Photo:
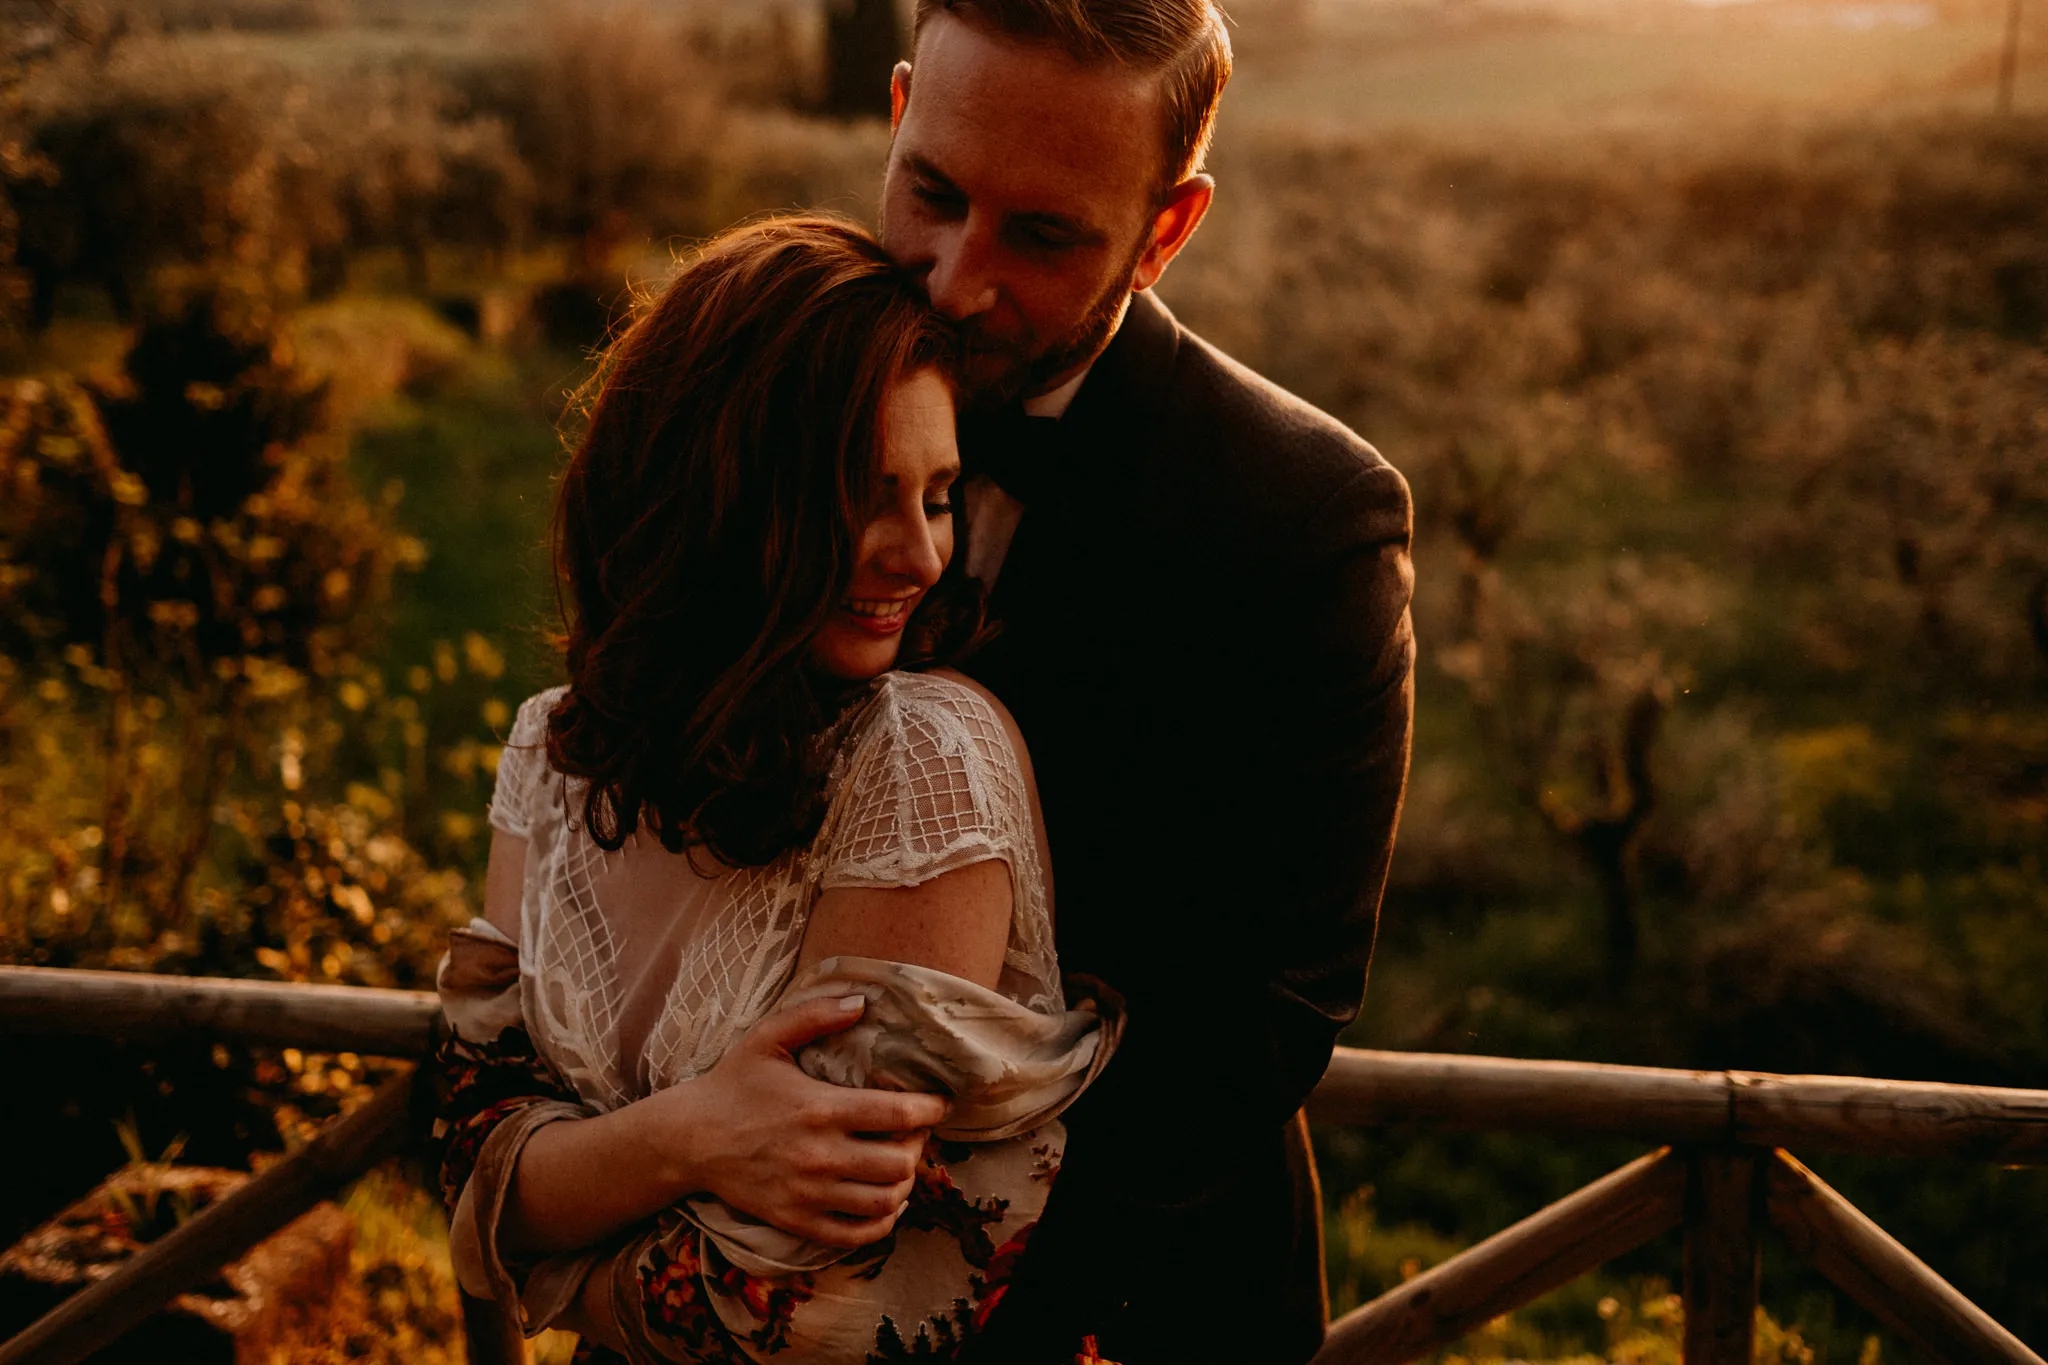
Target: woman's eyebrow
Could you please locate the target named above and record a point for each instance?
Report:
(949, 470)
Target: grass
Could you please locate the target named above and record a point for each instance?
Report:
(477, 469)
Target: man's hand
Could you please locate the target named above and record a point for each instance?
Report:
(821, 1161)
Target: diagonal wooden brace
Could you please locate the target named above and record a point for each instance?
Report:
(1614, 1214)
(192, 1253)
(1868, 1265)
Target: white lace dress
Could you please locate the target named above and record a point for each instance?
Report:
(637, 970)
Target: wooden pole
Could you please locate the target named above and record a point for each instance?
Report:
(1369, 1089)
(1690, 1108)
(131, 1005)
(1722, 1262)
(1870, 1267)
(192, 1253)
(1616, 1213)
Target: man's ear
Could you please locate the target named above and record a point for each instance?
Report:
(899, 93)
(1175, 222)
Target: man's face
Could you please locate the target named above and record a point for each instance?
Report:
(1021, 187)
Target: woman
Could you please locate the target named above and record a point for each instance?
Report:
(735, 827)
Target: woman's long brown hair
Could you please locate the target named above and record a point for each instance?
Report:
(707, 525)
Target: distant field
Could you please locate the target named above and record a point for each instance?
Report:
(1340, 65)
(1378, 67)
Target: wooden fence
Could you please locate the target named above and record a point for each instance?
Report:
(1719, 1173)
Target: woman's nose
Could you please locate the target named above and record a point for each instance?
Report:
(960, 283)
(913, 552)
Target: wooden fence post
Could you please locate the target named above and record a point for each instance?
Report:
(1723, 1198)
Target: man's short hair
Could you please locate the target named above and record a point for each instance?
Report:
(1182, 41)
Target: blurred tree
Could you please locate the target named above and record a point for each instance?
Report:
(1570, 689)
(1917, 474)
(863, 42)
(237, 168)
(615, 114)
(187, 546)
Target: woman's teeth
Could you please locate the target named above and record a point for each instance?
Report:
(878, 607)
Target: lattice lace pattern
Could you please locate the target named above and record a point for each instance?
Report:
(925, 780)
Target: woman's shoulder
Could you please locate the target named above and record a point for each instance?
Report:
(523, 765)
(942, 709)
(924, 736)
(943, 689)
(530, 724)
(930, 778)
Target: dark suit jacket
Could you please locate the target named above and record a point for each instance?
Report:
(1206, 642)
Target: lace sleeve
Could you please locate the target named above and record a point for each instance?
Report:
(523, 766)
(930, 783)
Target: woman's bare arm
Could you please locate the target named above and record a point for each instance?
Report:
(958, 922)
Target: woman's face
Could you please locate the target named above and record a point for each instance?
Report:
(909, 534)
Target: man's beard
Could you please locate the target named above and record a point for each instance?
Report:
(995, 375)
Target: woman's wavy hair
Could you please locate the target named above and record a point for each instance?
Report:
(708, 523)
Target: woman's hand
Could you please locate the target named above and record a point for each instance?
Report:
(821, 1161)
(817, 1160)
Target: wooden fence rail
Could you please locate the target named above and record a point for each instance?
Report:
(1718, 1175)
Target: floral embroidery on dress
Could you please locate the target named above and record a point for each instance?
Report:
(936, 1338)
(477, 1086)
(942, 1336)
(676, 1280)
(1001, 1268)
(938, 1205)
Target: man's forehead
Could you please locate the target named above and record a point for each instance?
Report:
(1025, 122)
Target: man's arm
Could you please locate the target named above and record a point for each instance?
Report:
(1342, 749)
(1252, 997)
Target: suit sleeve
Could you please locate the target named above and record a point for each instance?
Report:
(1339, 769)
(1293, 855)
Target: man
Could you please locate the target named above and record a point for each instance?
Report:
(1203, 587)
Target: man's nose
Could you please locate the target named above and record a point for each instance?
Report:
(960, 283)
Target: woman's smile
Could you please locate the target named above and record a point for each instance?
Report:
(879, 615)
(908, 538)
